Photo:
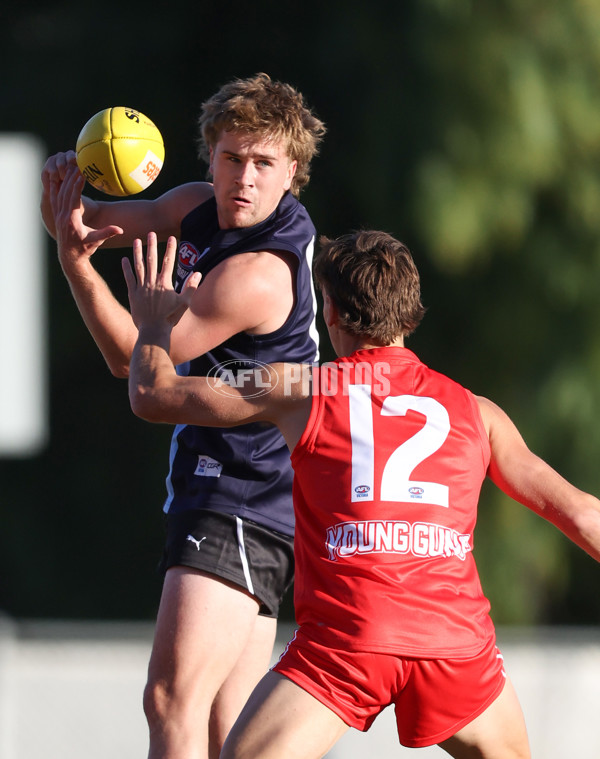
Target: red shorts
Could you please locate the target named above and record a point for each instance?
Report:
(433, 698)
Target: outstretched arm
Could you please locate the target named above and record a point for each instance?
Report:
(109, 323)
(252, 292)
(158, 394)
(528, 479)
(76, 224)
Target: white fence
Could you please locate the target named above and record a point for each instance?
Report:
(73, 690)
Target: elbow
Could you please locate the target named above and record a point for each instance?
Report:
(145, 404)
(119, 370)
(587, 524)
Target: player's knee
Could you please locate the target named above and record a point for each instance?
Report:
(157, 702)
(176, 704)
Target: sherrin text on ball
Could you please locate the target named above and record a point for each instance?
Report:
(120, 151)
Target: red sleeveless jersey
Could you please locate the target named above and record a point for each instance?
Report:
(388, 474)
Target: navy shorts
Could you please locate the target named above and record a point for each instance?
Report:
(259, 560)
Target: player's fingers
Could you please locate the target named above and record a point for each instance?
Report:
(129, 276)
(76, 181)
(191, 284)
(102, 235)
(69, 192)
(66, 162)
(63, 194)
(151, 260)
(166, 272)
(189, 287)
(52, 190)
(138, 260)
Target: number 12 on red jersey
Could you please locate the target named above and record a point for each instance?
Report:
(396, 483)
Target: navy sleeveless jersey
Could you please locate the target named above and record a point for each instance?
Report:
(243, 470)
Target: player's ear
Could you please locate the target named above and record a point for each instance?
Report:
(293, 165)
(330, 311)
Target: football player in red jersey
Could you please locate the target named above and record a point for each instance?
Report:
(389, 457)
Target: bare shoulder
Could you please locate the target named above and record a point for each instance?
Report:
(486, 409)
(507, 443)
(494, 418)
(174, 204)
(256, 286)
(264, 269)
(246, 278)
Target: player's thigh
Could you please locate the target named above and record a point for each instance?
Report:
(498, 733)
(255, 657)
(250, 667)
(280, 719)
(203, 625)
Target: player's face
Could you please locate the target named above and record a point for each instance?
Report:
(250, 176)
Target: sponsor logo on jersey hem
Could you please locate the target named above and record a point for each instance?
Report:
(208, 467)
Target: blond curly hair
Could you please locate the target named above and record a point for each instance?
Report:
(266, 108)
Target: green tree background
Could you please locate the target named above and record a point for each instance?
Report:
(469, 130)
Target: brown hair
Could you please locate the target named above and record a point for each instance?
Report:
(374, 283)
(270, 109)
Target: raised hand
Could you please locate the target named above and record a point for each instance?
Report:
(152, 299)
(76, 241)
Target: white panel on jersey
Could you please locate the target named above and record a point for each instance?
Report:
(363, 445)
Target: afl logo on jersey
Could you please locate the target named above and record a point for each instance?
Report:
(189, 255)
(362, 490)
(416, 492)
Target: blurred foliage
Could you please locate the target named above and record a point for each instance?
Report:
(469, 130)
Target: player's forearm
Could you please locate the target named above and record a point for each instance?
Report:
(151, 373)
(109, 323)
(573, 511)
(582, 523)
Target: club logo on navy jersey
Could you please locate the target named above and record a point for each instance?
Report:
(189, 255)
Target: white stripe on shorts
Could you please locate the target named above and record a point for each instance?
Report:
(243, 557)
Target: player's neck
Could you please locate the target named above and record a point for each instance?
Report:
(348, 344)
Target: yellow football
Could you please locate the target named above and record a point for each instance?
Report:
(120, 151)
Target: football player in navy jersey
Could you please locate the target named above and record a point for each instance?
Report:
(228, 558)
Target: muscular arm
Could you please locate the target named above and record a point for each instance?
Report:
(158, 394)
(531, 481)
(250, 292)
